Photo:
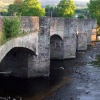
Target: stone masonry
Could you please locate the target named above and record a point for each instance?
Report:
(55, 38)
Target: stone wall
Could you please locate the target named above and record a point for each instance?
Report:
(81, 34)
(56, 47)
(39, 65)
(57, 26)
(88, 29)
(29, 24)
(85, 27)
(44, 47)
(70, 29)
(16, 61)
(56, 38)
(37, 40)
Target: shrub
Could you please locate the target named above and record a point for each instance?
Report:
(10, 27)
(81, 16)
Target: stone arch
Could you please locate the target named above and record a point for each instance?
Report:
(25, 42)
(56, 47)
(60, 35)
(16, 61)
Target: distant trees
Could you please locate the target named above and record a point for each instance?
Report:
(26, 8)
(94, 9)
(84, 10)
(82, 13)
(14, 8)
(51, 11)
(31, 8)
(65, 8)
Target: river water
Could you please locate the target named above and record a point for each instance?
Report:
(70, 79)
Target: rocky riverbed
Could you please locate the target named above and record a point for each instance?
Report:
(84, 83)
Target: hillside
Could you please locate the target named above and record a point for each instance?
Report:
(4, 4)
(79, 3)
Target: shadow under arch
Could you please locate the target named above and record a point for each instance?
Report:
(16, 61)
(56, 47)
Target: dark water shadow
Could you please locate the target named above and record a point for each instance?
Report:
(37, 88)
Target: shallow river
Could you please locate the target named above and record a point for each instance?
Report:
(71, 79)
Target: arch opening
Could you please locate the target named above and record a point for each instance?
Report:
(56, 47)
(16, 61)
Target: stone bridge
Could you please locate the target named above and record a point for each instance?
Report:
(47, 38)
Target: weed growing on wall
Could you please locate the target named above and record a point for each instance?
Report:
(10, 28)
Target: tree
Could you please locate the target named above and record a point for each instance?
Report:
(31, 8)
(26, 8)
(66, 8)
(14, 8)
(94, 9)
(51, 11)
(81, 16)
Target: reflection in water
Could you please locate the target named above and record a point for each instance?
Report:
(37, 88)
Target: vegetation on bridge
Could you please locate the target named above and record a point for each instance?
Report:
(10, 28)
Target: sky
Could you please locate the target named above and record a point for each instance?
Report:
(83, 0)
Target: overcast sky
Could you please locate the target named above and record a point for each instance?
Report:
(83, 0)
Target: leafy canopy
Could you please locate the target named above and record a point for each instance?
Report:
(31, 8)
(14, 8)
(26, 8)
(94, 9)
(66, 8)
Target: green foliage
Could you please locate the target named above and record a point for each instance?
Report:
(81, 16)
(26, 8)
(82, 13)
(94, 9)
(51, 11)
(10, 28)
(15, 7)
(31, 8)
(84, 10)
(66, 8)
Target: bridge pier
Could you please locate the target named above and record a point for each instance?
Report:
(81, 35)
(90, 24)
(70, 29)
(56, 38)
(43, 68)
